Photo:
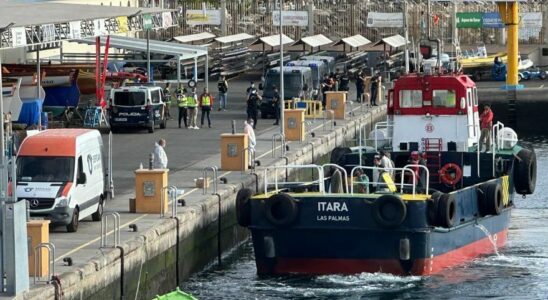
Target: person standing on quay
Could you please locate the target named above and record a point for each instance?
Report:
(192, 103)
(182, 105)
(375, 81)
(167, 99)
(253, 106)
(359, 86)
(222, 85)
(276, 104)
(160, 157)
(206, 103)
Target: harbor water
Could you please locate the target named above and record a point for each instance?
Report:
(519, 271)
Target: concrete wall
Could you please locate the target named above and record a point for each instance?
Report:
(150, 259)
(531, 108)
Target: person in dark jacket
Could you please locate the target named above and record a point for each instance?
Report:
(253, 106)
(344, 80)
(276, 104)
(375, 80)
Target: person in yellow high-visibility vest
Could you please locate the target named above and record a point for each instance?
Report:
(192, 103)
(182, 105)
(206, 103)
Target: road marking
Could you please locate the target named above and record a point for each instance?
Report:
(96, 239)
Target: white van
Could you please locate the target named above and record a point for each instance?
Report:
(62, 173)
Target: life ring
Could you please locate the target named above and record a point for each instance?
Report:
(450, 174)
(281, 210)
(490, 198)
(447, 210)
(432, 208)
(525, 172)
(243, 207)
(389, 211)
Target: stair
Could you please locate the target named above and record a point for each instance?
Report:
(432, 149)
(511, 97)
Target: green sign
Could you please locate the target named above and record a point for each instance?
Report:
(147, 22)
(469, 20)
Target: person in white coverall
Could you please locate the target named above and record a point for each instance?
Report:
(248, 129)
(160, 157)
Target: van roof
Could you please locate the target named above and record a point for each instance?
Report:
(136, 88)
(307, 62)
(290, 69)
(53, 142)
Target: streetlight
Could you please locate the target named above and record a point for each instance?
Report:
(282, 96)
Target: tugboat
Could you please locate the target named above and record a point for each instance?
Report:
(437, 201)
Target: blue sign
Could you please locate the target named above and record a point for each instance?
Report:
(492, 20)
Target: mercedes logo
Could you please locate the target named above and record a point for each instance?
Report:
(34, 203)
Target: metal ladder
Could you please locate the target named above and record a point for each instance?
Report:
(432, 148)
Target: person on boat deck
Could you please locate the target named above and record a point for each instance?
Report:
(418, 172)
(387, 163)
(378, 183)
(362, 182)
(486, 124)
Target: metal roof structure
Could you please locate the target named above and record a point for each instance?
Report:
(354, 41)
(274, 40)
(395, 41)
(194, 37)
(234, 38)
(166, 48)
(27, 24)
(315, 41)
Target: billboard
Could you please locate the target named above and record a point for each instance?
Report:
(291, 18)
(392, 20)
(203, 17)
(469, 20)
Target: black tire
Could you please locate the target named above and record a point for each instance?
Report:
(281, 210)
(163, 124)
(243, 207)
(542, 76)
(491, 202)
(98, 215)
(113, 129)
(432, 208)
(447, 211)
(73, 226)
(389, 211)
(525, 172)
(337, 155)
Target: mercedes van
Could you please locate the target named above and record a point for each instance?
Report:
(318, 68)
(62, 174)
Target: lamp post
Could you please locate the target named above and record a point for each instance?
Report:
(282, 96)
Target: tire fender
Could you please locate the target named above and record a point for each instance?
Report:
(281, 210)
(243, 207)
(525, 172)
(447, 210)
(389, 211)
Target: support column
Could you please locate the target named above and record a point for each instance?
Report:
(206, 72)
(310, 18)
(509, 12)
(178, 71)
(223, 18)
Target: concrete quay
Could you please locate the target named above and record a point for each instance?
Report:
(154, 261)
(531, 104)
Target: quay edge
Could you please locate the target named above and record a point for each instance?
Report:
(150, 258)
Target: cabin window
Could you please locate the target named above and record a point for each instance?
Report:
(156, 96)
(410, 98)
(444, 98)
(475, 95)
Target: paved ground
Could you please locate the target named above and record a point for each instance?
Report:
(189, 151)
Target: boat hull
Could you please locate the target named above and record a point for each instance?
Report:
(334, 251)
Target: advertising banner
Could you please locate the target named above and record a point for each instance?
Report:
(531, 20)
(75, 29)
(167, 20)
(469, 20)
(492, 20)
(291, 18)
(393, 20)
(19, 36)
(99, 27)
(122, 24)
(203, 17)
